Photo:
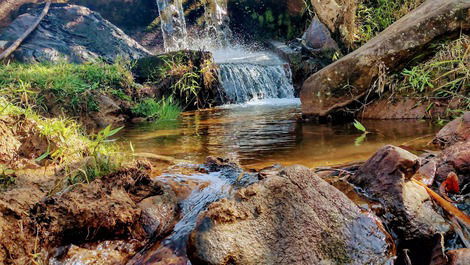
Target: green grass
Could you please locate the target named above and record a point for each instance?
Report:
(68, 144)
(165, 109)
(71, 87)
(373, 16)
(445, 77)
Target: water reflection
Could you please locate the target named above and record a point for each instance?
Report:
(261, 135)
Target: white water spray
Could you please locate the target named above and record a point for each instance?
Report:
(173, 24)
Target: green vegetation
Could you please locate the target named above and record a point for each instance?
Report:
(70, 89)
(68, 144)
(7, 177)
(373, 16)
(73, 87)
(165, 109)
(443, 78)
(359, 126)
(186, 77)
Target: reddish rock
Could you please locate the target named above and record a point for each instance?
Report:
(318, 37)
(455, 159)
(459, 256)
(455, 131)
(409, 209)
(349, 79)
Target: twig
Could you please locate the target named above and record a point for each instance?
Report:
(18, 42)
(447, 206)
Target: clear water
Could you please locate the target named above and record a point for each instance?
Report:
(265, 132)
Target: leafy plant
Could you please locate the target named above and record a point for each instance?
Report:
(359, 126)
(445, 77)
(71, 87)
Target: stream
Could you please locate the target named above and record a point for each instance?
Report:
(261, 133)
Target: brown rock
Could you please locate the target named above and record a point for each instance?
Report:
(350, 78)
(159, 213)
(292, 217)
(409, 209)
(318, 37)
(455, 131)
(404, 108)
(459, 256)
(107, 208)
(338, 15)
(455, 159)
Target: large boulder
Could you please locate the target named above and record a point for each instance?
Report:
(70, 32)
(349, 79)
(290, 217)
(409, 210)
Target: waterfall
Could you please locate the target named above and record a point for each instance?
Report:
(216, 22)
(212, 34)
(173, 24)
(242, 75)
(243, 82)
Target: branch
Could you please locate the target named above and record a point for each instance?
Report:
(18, 42)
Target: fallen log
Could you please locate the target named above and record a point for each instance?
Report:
(20, 40)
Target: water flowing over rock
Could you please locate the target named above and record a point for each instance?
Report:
(73, 33)
(243, 82)
(290, 217)
(409, 209)
(213, 33)
(173, 24)
(349, 79)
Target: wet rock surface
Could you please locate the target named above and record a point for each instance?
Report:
(73, 33)
(409, 210)
(349, 79)
(455, 131)
(290, 217)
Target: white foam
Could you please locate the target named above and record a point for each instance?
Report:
(265, 102)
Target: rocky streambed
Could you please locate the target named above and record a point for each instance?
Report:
(375, 212)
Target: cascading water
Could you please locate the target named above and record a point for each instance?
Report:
(243, 77)
(216, 21)
(244, 82)
(219, 184)
(173, 24)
